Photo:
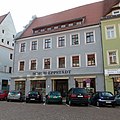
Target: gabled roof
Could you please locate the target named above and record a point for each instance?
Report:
(92, 13)
(2, 18)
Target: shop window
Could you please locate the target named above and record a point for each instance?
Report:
(47, 63)
(61, 41)
(91, 60)
(61, 62)
(75, 61)
(33, 65)
(21, 66)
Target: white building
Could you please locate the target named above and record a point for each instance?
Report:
(7, 34)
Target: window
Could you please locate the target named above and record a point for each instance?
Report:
(21, 66)
(8, 42)
(112, 55)
(75, 61)
(75, 39)
(11, 56)
(33, 65)
(3, 31)
(34, 45)
(22, 48)
(10, 69)
(90, 37)
(116, 12)
(2, 40)
(110, 32)
(61, 41)
(91, 60)
(61, 62)
(47, 43)
(47, 63)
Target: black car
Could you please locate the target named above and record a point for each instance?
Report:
(103, 98)
(77, 96)
(33, 96)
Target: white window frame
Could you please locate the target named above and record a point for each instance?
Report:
(87, 59)
(19, 65)
(58, 41)
(108, 60)
(44, 43)
(58, 62)
(31, 45)
(89, 31)
(106, 32)
(79, 60)
(44, 63)
(113, 12)
(78, 39)
(30, 64)
(20, 47)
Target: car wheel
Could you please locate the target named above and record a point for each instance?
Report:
(98, 104)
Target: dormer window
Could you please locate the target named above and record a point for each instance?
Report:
(116, 12)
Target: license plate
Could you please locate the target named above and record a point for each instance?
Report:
(54, 97)
(32, 99)
(108, 101)
(80, 95)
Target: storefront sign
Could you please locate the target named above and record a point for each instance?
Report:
(52, 72)
(112, 71)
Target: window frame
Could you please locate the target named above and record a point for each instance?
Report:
(34, 45)
(58, 62)
(30, 65)
(108, 58)
(44, 43)
(106, 32)
(44, 63)
(87, 65)
(58, 46)
(22, 49)
(19, 68)
(85, 35)
(71, 40)
(79, 61)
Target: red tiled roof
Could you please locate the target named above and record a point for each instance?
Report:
(2, 18)
(93, 13)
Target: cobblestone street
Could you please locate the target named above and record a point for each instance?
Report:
(36, 111)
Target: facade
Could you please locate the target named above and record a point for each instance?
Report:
(110, 25)
(7, 34)
(60, 51)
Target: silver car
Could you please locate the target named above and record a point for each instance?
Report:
(15, 96)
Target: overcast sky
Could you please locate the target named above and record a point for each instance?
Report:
(23, 10)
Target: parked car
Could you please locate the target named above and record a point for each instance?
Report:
(77, 96)
(3, 94)
(15, 95)
(103, 98)
(54, 97)
(34, 96)
(117, 98)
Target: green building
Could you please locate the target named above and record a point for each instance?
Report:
(110, 27)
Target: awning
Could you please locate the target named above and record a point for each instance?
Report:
(83, 77)
(59, 78)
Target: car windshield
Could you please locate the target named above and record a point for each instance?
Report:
(77, 91)
(33, 92)
(14, 92)
(54, 93)
(106, 94)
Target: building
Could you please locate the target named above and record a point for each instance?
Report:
(7, 34)
(60, 51)
(110, 25)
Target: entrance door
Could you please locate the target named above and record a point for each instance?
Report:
(5, 85)
(61, 86)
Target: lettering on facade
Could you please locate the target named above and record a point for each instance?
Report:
(52, 72)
